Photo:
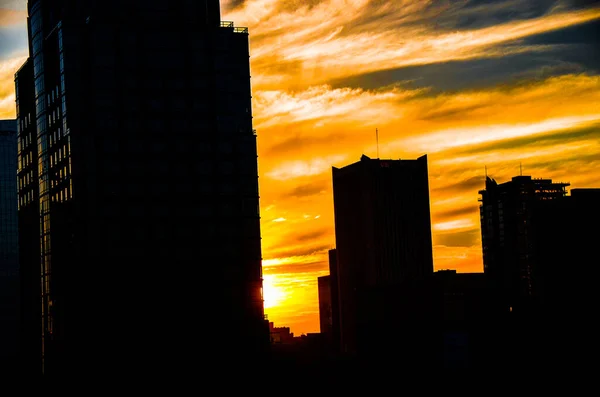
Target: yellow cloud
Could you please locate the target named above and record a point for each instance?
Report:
(7, 86)
(9, 17)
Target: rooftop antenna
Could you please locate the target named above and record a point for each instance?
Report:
(377, 139)
(521, 168)
(486, 172)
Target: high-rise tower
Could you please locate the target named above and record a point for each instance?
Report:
(383, 241)
(139, 159)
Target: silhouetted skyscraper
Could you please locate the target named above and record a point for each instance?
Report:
(383, 238)
(508, 240)
(9, 263)
(140, 125)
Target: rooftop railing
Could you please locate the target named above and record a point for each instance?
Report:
(230, 25)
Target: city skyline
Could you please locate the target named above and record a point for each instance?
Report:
(515, 87)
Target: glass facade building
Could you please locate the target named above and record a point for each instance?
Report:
(140, 160)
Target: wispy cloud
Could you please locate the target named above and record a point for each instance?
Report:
(302, 168)
(335, 38)
(7, 85)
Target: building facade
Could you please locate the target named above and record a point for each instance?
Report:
(139, 156)
(383, 240)
(507, 213)
(9, 263)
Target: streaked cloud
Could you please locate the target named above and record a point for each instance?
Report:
(334, 38)
(303, 168)
(7, 86)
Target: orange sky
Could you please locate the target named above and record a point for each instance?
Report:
(472, 86)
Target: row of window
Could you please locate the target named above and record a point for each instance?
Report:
(26, 199)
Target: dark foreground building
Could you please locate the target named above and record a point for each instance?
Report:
(384, 251)
(139, 167)
(9, 262)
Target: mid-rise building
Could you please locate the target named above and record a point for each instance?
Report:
(507, 211)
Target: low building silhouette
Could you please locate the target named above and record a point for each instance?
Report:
(325, 319)
(335, 300)
(280, 335)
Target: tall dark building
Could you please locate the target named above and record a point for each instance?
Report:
(138, 161)
(9, 262)
(325, 323)
(508, 240)
(383, 241)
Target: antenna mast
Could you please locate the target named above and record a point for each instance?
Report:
(521, 168)
(486, 171)
(377, 139)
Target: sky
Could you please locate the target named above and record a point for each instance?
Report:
(504, 85)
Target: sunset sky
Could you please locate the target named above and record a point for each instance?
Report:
(470, 83)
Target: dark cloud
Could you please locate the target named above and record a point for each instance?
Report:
(459, 212)
(312, 235)
(233, 4)
(293, 5)
(449, 114)
(13, 39)
(584, 3)
(550, 138)
(590, 160)
(298, 142)
(456, 76)
(473, 183)
(448, 15)
(477, 14)
(300, 251)
(467, 238)
(574, 49)
(308, 189)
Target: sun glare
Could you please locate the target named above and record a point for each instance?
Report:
(272, 294)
